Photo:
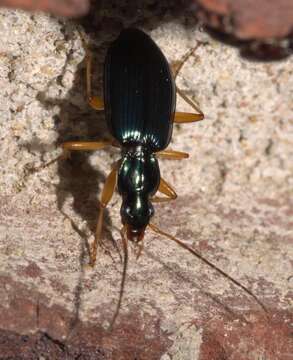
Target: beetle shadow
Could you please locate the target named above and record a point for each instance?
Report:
(79, 179)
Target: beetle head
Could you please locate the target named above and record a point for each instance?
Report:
(136, 212)
(135, 235)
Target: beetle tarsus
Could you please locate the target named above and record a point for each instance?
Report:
(172, 154)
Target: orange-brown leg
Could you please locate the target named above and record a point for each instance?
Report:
(167, 190)
(182, 117)
(94, 101)
(75, 146)
(107, 194)
(72, 146)
(172, 154)
(85, 145)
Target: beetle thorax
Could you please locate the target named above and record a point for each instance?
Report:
(138, 180)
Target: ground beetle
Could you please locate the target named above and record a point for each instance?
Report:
(139, 103)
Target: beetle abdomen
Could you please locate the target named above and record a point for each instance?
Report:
(139, 91)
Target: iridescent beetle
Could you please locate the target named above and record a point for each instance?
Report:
(139, 103)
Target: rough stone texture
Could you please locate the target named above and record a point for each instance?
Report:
(249, 19)
(235, 203)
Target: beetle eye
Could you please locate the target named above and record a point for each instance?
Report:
(125, 213)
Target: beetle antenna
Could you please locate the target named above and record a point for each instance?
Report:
(203, 259)
(123, 279)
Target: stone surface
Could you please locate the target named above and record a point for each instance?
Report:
(235, 202)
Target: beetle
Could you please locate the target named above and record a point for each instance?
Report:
(139, 103)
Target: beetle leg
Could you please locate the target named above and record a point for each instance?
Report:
(166, 189)
(185, 58)
(172, 154)
(94, 101)
(183, 117)
(83, 146)
(107, 194)
(187, 117)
